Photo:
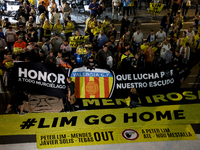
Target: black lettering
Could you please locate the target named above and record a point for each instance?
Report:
(97, 136)
(65, 120)
(126, 117)
(105, 138)
(178, 113)
(95, 121)
(55, 120)
(151, 116)
(113, 118)
(167, 115)
(41, 124)
(111, 134)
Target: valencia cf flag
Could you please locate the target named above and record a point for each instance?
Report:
(96, 83)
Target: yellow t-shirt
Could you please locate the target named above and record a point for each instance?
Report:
(69, 27)
(144, 47)
(59, 27)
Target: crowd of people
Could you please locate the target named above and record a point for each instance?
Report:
(103, 48)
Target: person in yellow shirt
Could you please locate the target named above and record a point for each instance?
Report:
(144, 46)
(58, 28)
(87, 24)
(69, 26)
(197, 42)
(47, 29)
(32, 2)
(105, 25)
(92, 26)
(97, 29)
(184, 39)
(46, 3)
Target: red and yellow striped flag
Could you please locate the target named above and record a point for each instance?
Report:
(96, 83)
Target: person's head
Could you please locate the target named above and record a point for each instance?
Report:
(6, 19)
(187, 44)
(177, 53)
(56, 36)
(134, 20)
(165, 41)
(59, 54)
(184, 34)
(78, 33)
(30, 19)
(99, 24)
(105, 48)
(106, 17)
(51, 53)
(20, 39)
(66, 43)
(127, 51)
(53, 1)
(68, 18)
(10, 28)
(32, 7)
(168, 14)
(133, 91)
(41, 53)
(127, 17)
(24, 4)
(190, 29)
(178, 14)
(58, 21)
(93, 1)
(46, 21)
(112, 25)
(137, 55)
(83, 44)
(145, 42)
(36, 47)
(152, 33)
(112, 39)
(176, 28)
(91, 16)
(138, 30)
(95, 19)
(66, 4)
(42, 2)
(102, 32)
(161, 29)
(20, 19)
(21, 28)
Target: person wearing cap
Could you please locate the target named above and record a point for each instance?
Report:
(22, 33)
(19, 45)
(56, 42)
(69, 27)
(126, 58)
(102, 57)
(10, 37)
(57, 28)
